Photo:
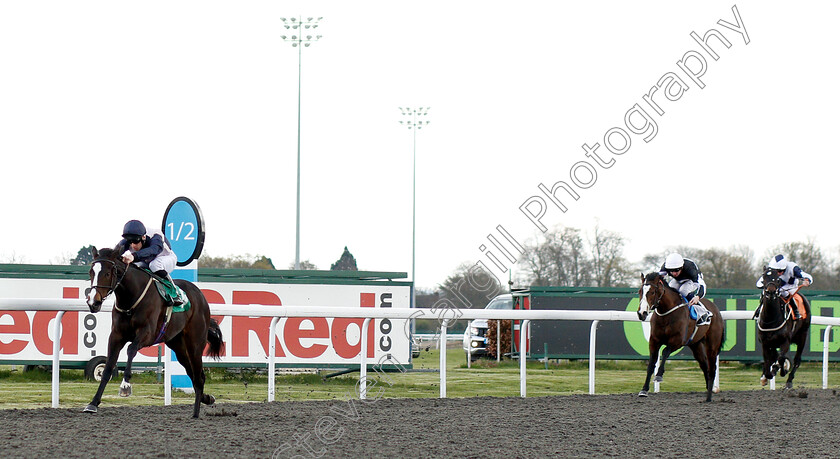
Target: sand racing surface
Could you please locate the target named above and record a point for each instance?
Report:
(801, 422)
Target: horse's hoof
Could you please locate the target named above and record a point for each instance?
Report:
(763, 380)
(716, 390)
(125, 389)
(657, 378)
(211, 400)
(788, 386)
(90, 409)
(643, 393)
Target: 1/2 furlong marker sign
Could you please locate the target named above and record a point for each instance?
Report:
(183, 226)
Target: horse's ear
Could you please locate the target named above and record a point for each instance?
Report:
(643, 277)
(94, 252)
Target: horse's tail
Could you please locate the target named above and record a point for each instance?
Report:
(214, 339)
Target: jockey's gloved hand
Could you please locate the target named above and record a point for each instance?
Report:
(128, 257)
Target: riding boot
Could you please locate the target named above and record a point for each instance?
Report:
(170, 300)
(795, 309)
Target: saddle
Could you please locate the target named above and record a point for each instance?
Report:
(796, 301)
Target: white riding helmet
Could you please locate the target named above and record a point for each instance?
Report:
(674, 261)
(777, 262)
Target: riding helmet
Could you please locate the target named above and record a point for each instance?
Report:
(674, 261)
(134, 228)
(778, 262)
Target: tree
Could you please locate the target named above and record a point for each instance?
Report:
(347, 262)
(470, 286)
(562, 257)
(246, 261)
(83, 257)
(609, 268)
(305, 265)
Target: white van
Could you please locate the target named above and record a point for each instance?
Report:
(475, 336)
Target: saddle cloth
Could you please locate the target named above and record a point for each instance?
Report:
(798, 303)
(168, 290)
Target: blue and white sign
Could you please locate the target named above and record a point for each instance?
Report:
(183, 226)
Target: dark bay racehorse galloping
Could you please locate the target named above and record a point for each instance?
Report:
(672, 326)
(140, 316)
(777, 330)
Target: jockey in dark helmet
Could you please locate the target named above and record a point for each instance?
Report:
(148, 249)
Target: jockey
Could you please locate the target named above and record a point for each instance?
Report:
(687, 279)
(788, 272)
(149, 249)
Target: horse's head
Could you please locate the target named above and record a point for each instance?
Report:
(651, 291)
(771, 281)
(106, 273)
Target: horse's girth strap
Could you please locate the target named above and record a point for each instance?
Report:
(139, 298)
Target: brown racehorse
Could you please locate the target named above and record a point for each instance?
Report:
(777, 331)
(672, 326)
(139, 316)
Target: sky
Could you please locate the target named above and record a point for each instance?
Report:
(110, 110)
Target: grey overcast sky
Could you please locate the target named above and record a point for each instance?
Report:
(109, 110)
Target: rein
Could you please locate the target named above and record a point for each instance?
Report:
(656, 304)
(784, 322)
(112, 289)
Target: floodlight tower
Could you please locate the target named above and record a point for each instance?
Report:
(299, 26)
(414, 119)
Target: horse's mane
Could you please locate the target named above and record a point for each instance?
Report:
(651, 277)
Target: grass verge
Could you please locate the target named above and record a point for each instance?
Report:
(32, 389)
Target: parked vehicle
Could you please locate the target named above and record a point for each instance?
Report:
(475, 336)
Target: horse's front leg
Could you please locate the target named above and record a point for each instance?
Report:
(125, 385)
(115, 345)
(767, 372)
(781, 360)
(661, 372)
(653, 349)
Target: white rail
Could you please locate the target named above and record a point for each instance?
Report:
(442, 315)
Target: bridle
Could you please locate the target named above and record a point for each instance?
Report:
(111, 288)
(765, 296)
(655, 304)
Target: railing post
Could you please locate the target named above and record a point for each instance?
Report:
(56, 363)
(592, 333)
(272, 351)
(167, 377)
(523, 356)
(443, 359)
(499, 340)
(363, 360)
(825, 356)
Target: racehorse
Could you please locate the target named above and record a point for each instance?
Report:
(672, 326)
(141, 317)
(777, 330)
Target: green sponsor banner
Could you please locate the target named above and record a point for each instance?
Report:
(628, 339)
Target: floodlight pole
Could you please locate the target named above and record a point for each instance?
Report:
(414, 125)
(299, 41)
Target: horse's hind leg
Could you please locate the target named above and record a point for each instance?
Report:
(115, 344)
(797, 359)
